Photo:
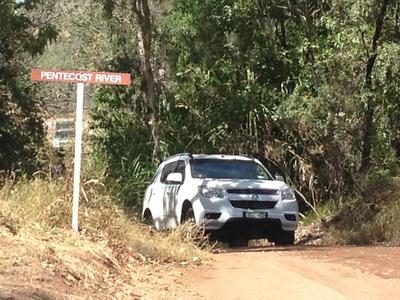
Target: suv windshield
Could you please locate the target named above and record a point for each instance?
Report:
(229, 169)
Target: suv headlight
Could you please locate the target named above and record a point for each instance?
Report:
(288, 194)
(208, 192)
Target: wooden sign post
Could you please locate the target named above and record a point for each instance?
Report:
(79, 77)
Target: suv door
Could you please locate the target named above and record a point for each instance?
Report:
(170, 200)
(163, 192)
(153, 200)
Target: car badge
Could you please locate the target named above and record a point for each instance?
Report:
(255, 197)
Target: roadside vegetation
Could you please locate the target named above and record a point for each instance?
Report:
(45, 205)
(113, 252)
(368, 218)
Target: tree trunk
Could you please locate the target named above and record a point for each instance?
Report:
(397, 19)
(370, 112)
(283, 34)
(143, 17)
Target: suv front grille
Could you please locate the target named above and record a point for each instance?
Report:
(253, 191)
(251, 204)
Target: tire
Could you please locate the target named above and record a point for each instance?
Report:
(238, 242)
(148, 219)
(189, 216)
(192, 232)
(284, 238)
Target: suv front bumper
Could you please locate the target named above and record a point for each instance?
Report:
(285, 214)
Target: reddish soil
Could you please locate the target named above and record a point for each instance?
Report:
(33, 268)
(298, 273)
(38, 269)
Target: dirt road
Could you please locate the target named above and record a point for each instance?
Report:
(299, 273)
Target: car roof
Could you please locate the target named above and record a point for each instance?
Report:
(208, 156)
(221, 156)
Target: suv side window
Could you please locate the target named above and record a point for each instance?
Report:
(174, 167)
(169, 168)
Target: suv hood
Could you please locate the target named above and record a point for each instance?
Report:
(244, 184)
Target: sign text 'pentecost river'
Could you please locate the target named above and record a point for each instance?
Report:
(81, 76)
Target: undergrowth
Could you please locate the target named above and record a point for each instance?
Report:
(369, 218)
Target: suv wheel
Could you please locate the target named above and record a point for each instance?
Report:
(284, 238)
(148, 219)
(238, 239)
(189, 216)
(238, 242)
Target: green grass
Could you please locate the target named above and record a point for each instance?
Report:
(321, 212)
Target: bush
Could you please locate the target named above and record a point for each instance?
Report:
(121, 144)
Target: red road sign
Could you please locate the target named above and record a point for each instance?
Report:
(81, 76)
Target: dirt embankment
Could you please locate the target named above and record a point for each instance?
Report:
(52, 267)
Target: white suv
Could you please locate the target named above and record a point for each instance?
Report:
(235, 198)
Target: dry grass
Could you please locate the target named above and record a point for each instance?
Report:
(46, 206)
(108, 252)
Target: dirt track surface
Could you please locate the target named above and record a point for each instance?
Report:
(299, 273)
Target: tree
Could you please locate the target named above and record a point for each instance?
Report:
(21, 129)
(143, 18)
(372, 54)
(145, 37)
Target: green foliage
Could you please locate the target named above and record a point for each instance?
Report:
(121, 142)
(284, 81)
(121, 122)
(21, 129)
(226, 84)
(322, 212)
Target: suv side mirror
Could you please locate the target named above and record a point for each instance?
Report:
(174, 178)
(279, 177)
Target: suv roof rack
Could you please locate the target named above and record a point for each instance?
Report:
(180, 154)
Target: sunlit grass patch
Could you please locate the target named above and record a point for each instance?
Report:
(44, 205)
(112, 251)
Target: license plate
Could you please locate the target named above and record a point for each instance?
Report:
(255, 215)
